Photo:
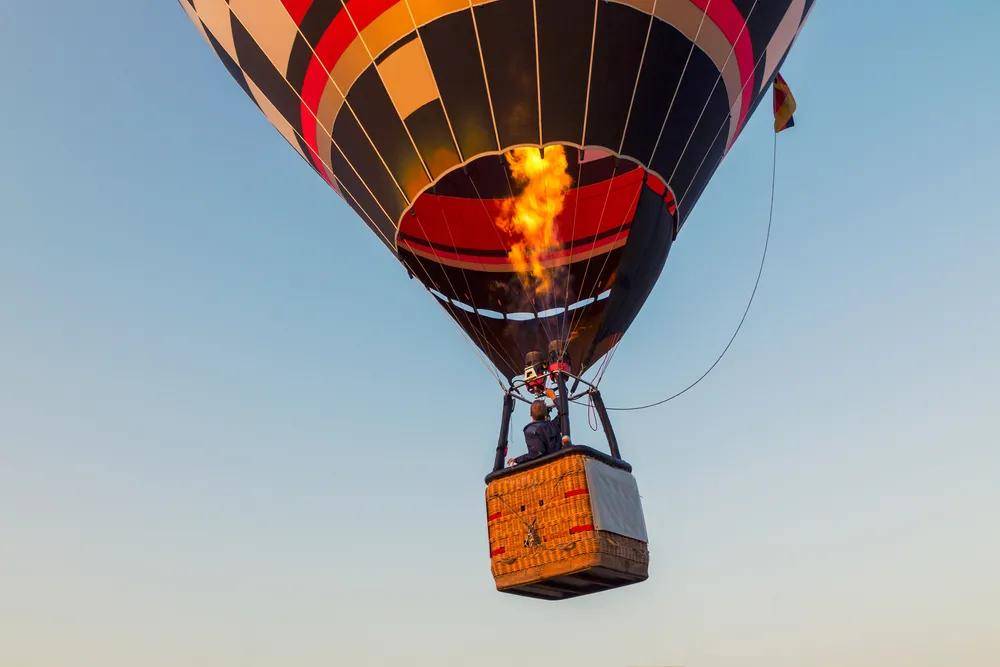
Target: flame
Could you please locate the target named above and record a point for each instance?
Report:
(530, 216)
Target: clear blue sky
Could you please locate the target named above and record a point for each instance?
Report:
(233, 433)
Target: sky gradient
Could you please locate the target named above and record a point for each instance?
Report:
(233, 433)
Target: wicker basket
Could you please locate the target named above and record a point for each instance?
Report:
(543, 539)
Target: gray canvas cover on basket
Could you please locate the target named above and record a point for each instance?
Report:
(614, 499)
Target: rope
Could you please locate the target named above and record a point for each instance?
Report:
(746, 311)
(592, 415)
(607, 361)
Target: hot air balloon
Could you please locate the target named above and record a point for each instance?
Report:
(531, 163)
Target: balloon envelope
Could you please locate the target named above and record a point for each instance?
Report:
(411, 110)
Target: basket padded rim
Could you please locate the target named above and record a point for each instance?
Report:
(548, 458)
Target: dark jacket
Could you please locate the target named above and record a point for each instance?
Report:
(542, 437)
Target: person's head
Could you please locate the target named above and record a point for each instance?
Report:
(539, 410)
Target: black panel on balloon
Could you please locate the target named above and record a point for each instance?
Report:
(375, 111)
(507, 35)
(683, 120)
(348, 136)
(484, 178)
(621, 33)
(565, 31)
(429, 129)
(603, 169)
(705, 150)
(666, 55)
(642, 262)
(298, 62)
(450, 43)
(259, 69)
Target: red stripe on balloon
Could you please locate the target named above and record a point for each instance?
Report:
(559, 257)
(588, 211)
(297, 9)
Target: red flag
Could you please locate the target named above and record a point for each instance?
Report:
(784, 105)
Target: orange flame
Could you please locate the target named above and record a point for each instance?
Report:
(530, 215)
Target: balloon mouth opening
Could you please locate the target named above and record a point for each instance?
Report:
(526, 233)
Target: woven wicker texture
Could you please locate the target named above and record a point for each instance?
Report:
(543, 517)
